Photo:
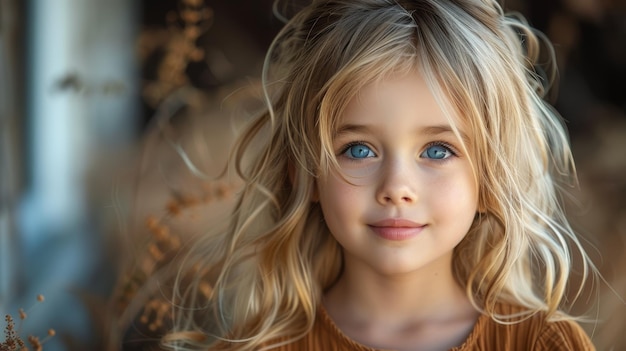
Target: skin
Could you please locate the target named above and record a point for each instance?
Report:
(400, 161)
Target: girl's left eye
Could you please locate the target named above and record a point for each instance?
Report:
(437, 152)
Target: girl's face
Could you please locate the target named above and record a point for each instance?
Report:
(406, 195)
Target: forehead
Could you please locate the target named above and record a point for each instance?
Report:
(407, 96)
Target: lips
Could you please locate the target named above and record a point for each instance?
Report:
(396, 229)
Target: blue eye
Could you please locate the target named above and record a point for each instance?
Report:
(437, 152)
(358, 151)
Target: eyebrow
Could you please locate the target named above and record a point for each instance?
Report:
(351, 128)
(429, 130)
(443, 129)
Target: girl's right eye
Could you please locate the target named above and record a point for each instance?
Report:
(357, 151)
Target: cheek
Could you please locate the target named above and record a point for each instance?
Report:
(333, 186)
(328, 191)
(456, 196)
(336, 194)
(339, 202)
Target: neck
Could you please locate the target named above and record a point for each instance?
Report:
(428, 294)
(424, 309)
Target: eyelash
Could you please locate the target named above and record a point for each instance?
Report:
(351, 144)
(347, 147)
(452, 149)
(449, 147)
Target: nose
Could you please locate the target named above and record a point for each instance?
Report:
(397, 185)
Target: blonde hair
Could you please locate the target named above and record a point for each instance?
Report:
(268, 270)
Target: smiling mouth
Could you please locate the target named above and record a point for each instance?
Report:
(396, 229)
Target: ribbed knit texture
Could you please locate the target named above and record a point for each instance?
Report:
(535, 334)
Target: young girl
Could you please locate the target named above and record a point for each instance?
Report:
(400, 192)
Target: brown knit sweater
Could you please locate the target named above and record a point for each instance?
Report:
(535, 334)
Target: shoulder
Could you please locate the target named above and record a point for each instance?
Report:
(534, 332)
(563, 335)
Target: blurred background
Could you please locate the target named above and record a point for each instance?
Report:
(83, 84)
